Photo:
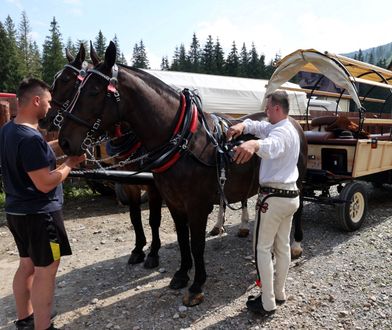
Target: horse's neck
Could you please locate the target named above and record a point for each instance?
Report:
(151, 114)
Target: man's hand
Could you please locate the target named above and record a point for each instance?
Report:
(245, 151)
(72, 161)
(235, 131)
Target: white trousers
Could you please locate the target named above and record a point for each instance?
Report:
(274, 234)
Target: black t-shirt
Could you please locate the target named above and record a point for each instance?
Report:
(23, 149)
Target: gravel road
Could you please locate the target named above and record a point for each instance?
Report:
(343, 280)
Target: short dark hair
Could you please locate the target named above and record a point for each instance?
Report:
(30, 86)
(280, 98)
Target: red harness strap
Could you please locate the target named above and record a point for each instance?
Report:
(193, 127)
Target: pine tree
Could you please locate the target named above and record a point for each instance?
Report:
(244, 62)
(119, 55)
(35, 65)
(207, 56)
(183, 61)
(100, 45)
(371, 58)
(23, 43)
(52, 56)
(176, 59)
(360, 55)
(194, 55)
(219, 59)
(233, 61)
(15, 59)
(139, 57)
(71, 47)
(263, 68)
(255, 66)
(165, 63)
(122, 59)
(6, 81)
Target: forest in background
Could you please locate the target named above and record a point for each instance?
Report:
(20, 56)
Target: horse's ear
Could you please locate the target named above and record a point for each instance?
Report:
(110, 54)
(70, 58)
(94, 55)
(81, 55)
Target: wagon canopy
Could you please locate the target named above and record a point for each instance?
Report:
(231, 95)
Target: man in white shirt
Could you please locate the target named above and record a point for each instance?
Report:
(278, 146)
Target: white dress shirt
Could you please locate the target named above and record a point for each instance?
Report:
(279, 150)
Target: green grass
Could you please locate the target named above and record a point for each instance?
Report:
(72, 190)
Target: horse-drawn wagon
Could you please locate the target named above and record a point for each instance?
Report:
(344, 148)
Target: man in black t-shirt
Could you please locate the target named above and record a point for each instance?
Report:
(33, 206)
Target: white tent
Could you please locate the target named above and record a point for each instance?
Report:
(231, 95)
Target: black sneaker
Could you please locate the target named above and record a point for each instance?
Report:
(52, 327)
(26, 323)
(255, 306)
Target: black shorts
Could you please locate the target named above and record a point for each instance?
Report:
(41, 237)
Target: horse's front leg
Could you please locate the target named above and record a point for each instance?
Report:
(243, 230)
(181, 278)
(155, 206)
(198, 224)
(296, 249)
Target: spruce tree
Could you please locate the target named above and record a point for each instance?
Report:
(183, 61)
(244, 62)
(254, 65)
(176, 59)
(23, 43)
(120, 56)
(165, 63)
(219, 59)
(15, 59)
(194, 55)
(52, 56)
(6, 81)
(233, 62)
(207, 57)
(100, 45)
(139, 57)
(35, 64)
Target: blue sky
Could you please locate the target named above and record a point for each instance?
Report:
(275, 26)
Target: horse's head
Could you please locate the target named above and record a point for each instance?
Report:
(64, 88)
(95, 107)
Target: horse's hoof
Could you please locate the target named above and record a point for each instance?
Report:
(136, 258)
(179, 282)
(192, 299)
(151, 262)
(296, 253)
(217, 231)
(243, 232)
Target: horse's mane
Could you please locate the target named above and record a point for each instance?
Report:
(152, 81)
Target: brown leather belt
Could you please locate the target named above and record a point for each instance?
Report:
(279, 192)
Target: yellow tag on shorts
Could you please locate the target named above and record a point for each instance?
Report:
(55, 247)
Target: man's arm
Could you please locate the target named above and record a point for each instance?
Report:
(46, 180)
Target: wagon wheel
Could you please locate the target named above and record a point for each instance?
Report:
(352, 214)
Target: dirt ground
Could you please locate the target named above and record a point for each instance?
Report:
(343, 280)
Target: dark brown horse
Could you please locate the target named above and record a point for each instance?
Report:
(64, 88)
(179, 147)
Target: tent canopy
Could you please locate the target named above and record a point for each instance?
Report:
(232, 95)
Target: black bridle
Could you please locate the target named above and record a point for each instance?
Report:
(80, 74)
